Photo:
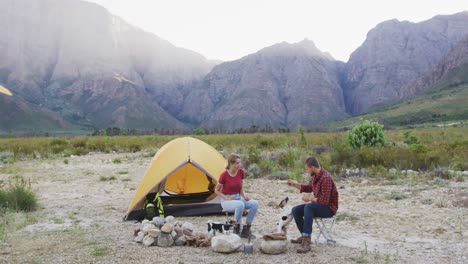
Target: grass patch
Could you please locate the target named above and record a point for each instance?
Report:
(345, 216)
(16, 194)
(116, 160)
(104, 178)
(396, 196)
(99, 251)
(122, 172)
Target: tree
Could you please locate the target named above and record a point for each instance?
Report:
(366, 134)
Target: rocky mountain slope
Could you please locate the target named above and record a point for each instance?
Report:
(285, 85)
(76, 59)
(71, 64)
(396, 53)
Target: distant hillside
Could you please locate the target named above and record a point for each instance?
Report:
(285, 85)
(71, 65)
(446, 101)
(77, 60)
(396, 53)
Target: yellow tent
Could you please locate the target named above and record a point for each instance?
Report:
(5, 91)
(184, 172)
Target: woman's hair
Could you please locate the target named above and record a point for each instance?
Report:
(231, 160)
(312, 162)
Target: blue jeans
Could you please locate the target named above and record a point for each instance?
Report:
(238, 205)
(304, 216)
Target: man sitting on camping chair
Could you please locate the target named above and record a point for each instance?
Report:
(324, 204)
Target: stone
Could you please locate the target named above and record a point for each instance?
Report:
(226, 243)
(180, 241)
(187, 226)
(139, 237)
(148, 227)
(274, 247)
(153, 232)
(148, 241)
(170, 219)
(167, 228)
(158, 221)
(165, 240)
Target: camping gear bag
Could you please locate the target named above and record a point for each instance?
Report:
(153, 206)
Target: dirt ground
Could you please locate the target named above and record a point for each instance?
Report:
(81, 210)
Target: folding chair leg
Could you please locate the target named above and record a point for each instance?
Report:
(324, 231)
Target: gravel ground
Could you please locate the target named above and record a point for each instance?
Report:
(80, 220)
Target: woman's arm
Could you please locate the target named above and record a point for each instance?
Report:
(245, 197)
(218, 189)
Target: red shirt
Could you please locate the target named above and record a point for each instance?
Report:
(231, 185)
(324, 189)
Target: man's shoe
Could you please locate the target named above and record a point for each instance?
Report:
(297, 240)
(306, 246)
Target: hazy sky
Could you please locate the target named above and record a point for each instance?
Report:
(229, 30)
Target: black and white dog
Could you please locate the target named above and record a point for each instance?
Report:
(286, 216)
(218, 227)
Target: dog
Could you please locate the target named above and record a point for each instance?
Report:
(286, 216)
(218, 227)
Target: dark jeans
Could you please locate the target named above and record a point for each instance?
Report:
(304, 216)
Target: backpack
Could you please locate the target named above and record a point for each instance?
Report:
(153, 206)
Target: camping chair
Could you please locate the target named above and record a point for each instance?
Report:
(325, 226)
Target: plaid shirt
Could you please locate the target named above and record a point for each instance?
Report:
(324, 189)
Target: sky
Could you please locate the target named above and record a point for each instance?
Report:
(228, 30)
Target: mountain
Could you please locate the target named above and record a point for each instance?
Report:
(449, 71)
(75, 59)
(285, 85)
(73, 66)
(396, 53)
(440, 95)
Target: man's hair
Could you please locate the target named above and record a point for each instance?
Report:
(312, 162)
(231, 160)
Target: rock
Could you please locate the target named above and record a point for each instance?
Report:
(179, 232)
(170, 219)
(274, 246)
(153, 233)
(158, 221)
(167, 228)
(148, 241)
(180, 241)
(148, 227)
(226, 243)
(187, 226)
(165, 240)
(139, 237)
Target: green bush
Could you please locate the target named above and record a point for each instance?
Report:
(199, 131)
(268, 166)
(366, 134)
(254, 154)
(253, 171)
(17, 195)
(288, 157)
(410, 139)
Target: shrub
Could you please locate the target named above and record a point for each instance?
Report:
(289, 157)
(116, 160)
(253, 171)
(17, 195)
(254, 154)
(409, 139)
(366, 134)
(199, 131)
(268, 166)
